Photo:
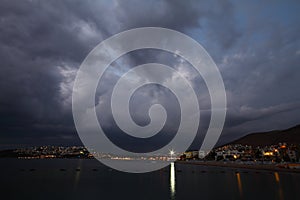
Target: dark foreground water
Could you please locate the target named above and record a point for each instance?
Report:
(88, 179)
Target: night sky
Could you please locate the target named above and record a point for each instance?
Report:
(255, 44)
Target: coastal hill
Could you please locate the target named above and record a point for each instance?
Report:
(290, 136)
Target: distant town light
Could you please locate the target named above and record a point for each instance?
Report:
(268, 154)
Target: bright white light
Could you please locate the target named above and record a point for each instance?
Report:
(172, 181)
(172, 152)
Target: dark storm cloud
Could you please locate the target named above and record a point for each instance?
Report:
(42, 43)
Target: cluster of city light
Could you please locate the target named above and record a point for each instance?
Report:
(268, 153)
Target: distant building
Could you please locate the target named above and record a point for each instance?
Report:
(202, 154)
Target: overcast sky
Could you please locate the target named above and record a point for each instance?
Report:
(255, 44)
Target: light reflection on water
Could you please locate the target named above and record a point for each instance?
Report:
(77, 174)
(179, 181)
(239, 181)
(280, 192)
(172, 180)
(277, 179)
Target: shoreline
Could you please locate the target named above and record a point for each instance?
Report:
(263, 167)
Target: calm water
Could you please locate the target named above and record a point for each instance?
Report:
(87, 179)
